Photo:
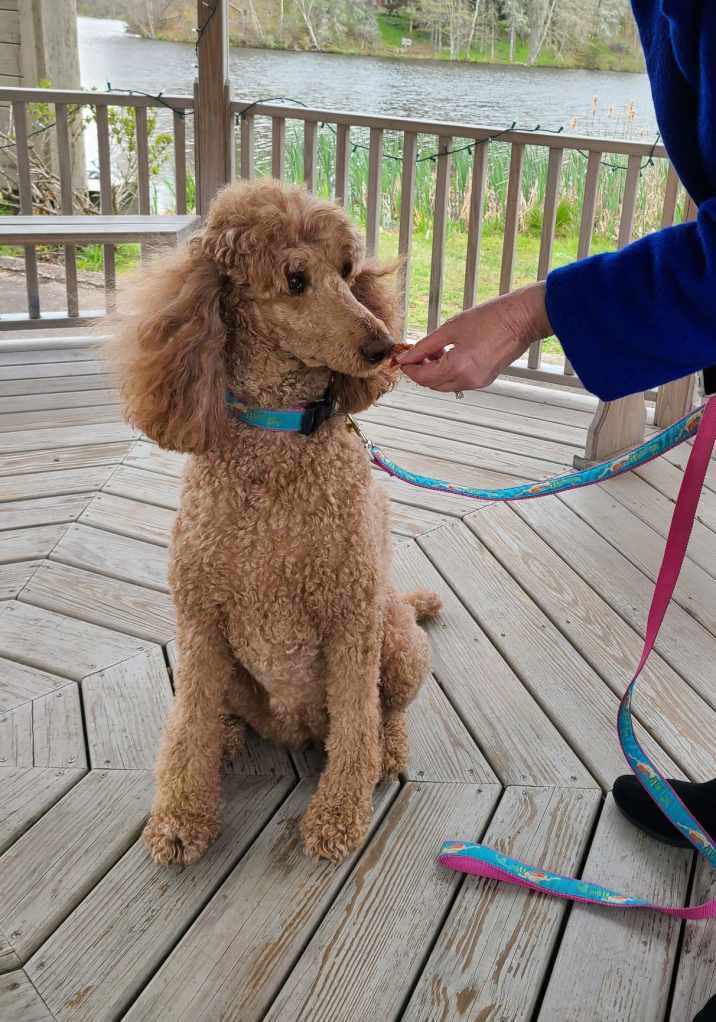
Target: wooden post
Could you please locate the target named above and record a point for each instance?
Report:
(212, 112)
(618, 425)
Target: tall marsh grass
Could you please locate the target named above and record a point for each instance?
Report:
(534, 179)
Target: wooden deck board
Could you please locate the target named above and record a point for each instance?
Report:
(125, 710)
(545, 662)
(496, 944)
(360, 962)
(130, 518)
(680, 720)
(98, 960)
(96, 599)
(117, 557)
(47, 873)
(486, 692)
(243, 945)
(43, 511)
(545, 604)
(624, 960)
(19, 1001)
(684, 643)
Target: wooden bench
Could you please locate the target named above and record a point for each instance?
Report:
(152, 232)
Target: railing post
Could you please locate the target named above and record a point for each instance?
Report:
(213, 131)
(618, 425)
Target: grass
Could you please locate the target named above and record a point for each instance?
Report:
(598, 56)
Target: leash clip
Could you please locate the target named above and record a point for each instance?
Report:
(353, 425)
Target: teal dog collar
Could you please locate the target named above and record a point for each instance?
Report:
(304, 419)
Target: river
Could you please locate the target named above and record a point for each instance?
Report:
(477, 94)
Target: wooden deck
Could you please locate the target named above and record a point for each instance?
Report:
(512, 739)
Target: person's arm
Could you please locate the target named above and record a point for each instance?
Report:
(628, 320)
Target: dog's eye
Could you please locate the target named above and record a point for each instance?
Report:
(346, 269)
(296, 282)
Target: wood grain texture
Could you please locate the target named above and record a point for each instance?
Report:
(24, 544)
(441, 747)
(53, 418)
(656, 511)
(696, 971)
(99, 959)
(235, 957)
(8, 959)
(486, 693)
(56, 384)
(61, 645)
(118, 557)
(48, 872)
(14, 577)
(132, 609)
(16, 737)
(43, 511)
(623, 959)
(125, 711)
(638, 523)
(147, 455)
(57, 729)
(25, 794)
(440, 221)
(678, 718)
(494, 459)
(149, 487)
(491, 416)
(545, 661)
(19, 1001)
(435, 425)
(66, 436)
(496, 944)
(474, 230)
(41, 484)
(21, 684)
(130, 518)
(683, 642)
(667, 478)
(58, 471)
(340, 976)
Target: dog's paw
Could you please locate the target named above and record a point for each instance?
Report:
(174, 839)
(334, 829)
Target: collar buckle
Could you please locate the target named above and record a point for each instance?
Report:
(316, 413)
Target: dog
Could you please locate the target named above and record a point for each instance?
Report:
(280, 556)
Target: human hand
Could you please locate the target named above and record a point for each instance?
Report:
(485, 341)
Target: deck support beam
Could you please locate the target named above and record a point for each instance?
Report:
(213, 130)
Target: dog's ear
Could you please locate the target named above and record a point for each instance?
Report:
(374, 287)
(169, 351)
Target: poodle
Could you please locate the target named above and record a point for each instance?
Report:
(280, 561)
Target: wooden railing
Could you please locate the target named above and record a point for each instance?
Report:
(98, 103)
(444, 137)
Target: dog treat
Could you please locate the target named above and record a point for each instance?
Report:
(398, 350)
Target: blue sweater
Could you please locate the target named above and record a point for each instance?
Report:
(636, 318)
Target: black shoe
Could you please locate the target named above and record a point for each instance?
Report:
(641, 810)
(708, 1012)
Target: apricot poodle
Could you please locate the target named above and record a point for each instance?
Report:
(280, 556)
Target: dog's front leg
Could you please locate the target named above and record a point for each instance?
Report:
(338, 817)
(184, 818)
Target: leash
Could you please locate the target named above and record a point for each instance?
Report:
(479, 859)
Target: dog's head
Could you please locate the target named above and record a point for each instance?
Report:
(275, 287)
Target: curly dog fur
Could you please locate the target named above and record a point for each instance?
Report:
(280, 557)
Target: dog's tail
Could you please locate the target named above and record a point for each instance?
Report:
(426, 603)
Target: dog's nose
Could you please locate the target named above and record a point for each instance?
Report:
(377, 348)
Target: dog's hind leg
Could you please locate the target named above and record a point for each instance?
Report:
(405, 657)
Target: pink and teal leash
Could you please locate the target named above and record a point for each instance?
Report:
(485, 862)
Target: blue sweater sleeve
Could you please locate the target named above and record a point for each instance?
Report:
(640, 317)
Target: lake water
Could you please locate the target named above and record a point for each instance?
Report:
(477, 94)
